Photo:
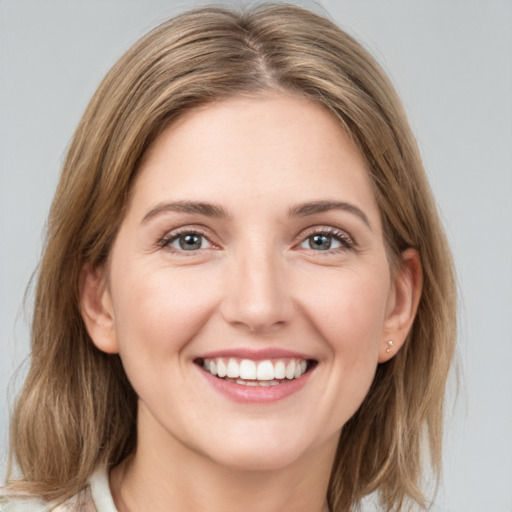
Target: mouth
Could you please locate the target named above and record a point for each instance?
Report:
(262, 373)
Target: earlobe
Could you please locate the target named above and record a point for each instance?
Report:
(404, 300)
(97, 311)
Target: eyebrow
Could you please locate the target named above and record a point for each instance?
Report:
(314, 207)
(217, 211)
(201, 208)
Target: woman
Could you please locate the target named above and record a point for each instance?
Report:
(246, 299)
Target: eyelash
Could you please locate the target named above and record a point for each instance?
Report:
(345, 240)
(166, 241)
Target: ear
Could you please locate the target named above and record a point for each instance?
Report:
(402, 305)
(97, 311)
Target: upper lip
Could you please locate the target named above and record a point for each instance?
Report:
(256, 354)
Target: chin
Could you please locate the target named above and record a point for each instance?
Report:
(262, 453)
(255, 459)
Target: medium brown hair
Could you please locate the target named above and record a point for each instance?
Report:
(77, 409)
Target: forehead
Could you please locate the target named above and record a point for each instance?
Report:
(271, 148)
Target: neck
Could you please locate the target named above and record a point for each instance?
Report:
(171, 476)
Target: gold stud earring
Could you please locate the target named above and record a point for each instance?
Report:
(390, 345)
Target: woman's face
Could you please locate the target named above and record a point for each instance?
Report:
(248, 291)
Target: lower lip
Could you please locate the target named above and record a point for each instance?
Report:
(255, 394)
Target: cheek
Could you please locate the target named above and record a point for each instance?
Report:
(350, 314)
(158, 311)
(157, 314)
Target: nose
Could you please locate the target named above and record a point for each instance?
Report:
(257, 295)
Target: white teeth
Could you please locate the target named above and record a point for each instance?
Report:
(247, 371)
(265, 371)
(222, 371)
(280, 370)
(233, 369)
(260, 383)
(290, 370)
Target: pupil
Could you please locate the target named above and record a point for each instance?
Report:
(189, 242)
(321, 242)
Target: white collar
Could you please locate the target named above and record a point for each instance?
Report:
(100, 491)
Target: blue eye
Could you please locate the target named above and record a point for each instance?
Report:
(321, 242)
(328, 240)
(187, 241)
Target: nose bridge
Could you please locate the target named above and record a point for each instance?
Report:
(256, 295)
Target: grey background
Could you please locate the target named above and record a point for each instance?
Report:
(452, 64)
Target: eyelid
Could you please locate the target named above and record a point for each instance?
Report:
(173, 234)
(346, 240)
(342, 235)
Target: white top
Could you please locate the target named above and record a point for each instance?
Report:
(96, 497)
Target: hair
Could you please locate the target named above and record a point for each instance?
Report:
(77, 409)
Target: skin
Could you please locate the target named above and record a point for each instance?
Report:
(257, 281)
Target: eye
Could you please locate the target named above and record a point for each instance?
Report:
(186, 241)
(327, 240)
(320, 242)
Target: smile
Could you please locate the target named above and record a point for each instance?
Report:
(256, 376)
(256, 373)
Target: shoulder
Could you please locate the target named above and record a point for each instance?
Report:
(96, 497)
(79, 503)
(100, 491)
(23, 505)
